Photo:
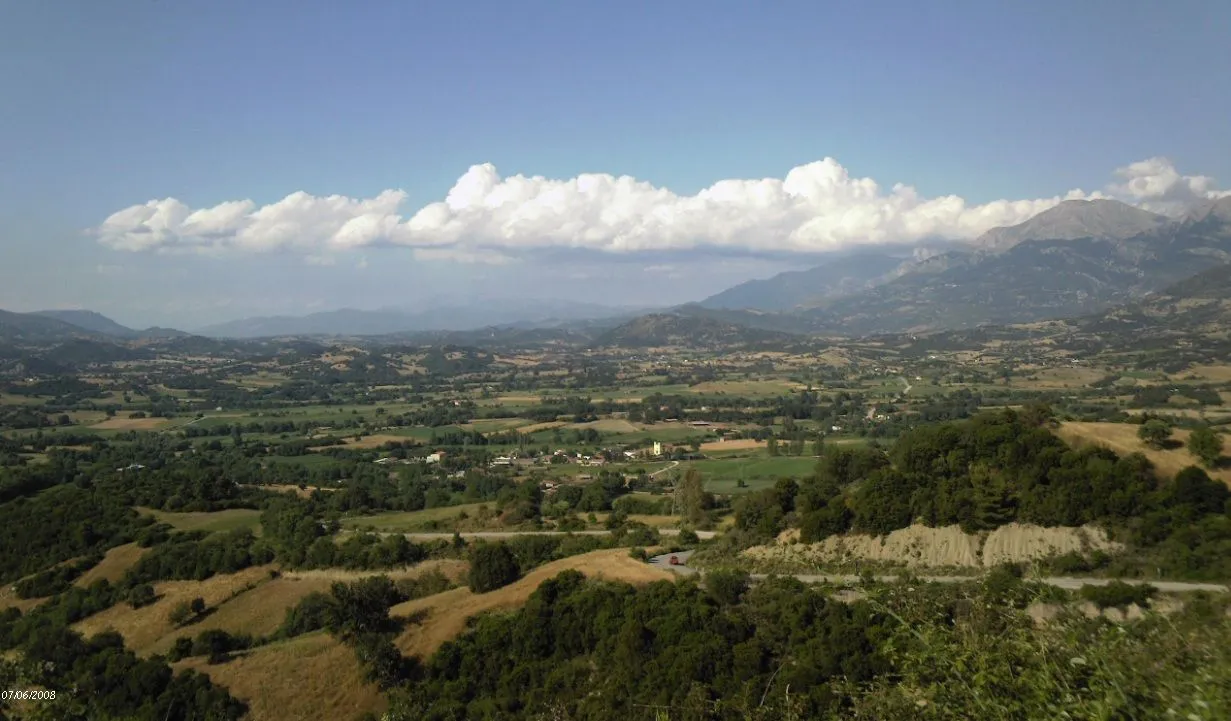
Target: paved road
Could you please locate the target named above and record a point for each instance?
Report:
(1064, 582)
(513, 534)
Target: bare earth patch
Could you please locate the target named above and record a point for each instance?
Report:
(920, 546)
(447, 612)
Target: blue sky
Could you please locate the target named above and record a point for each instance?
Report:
(109, 105)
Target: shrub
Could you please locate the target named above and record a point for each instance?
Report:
(727, 585)
(492, 566)
(1119, 594)
(141, 595)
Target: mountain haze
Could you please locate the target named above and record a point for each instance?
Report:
(785, 291)
(1073, 219)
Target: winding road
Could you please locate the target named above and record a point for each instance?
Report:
(674, 464)
(1065, 582)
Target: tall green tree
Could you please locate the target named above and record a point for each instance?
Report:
(492, 566)
(1206, 445)
(1155, 432)
(771, 446)
(690, 490)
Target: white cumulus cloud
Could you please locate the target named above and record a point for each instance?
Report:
(487, 218)
(1156, 185)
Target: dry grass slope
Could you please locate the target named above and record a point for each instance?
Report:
(143, 627)
(446, 613)
(248, 602)
(1122, 438)
(310, 677)
(113, 566)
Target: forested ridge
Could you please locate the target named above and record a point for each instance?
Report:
(997, 468)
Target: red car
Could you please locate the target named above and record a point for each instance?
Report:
(674, 561)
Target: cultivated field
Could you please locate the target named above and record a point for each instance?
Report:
(739, 444)
(131, 424)
(374, 441)
(446, 613)
(609, 425)
(1122, 438)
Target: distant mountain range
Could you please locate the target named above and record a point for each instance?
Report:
(842, 275)
(350, 322)
(1077, 258)
(101, 324)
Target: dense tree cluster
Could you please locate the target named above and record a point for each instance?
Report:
(611, 651)
(995, 469)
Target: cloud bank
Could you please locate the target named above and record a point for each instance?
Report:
(486, 218)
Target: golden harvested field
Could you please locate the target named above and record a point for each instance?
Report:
(1217, 373)
(143, 627)
(608, 425)
(86, 418)
(747, 388)
(446, 613)
(130, 424)
(494, 425)
(309, 677)
(114, 565)
(227, 520)
(1122, 438)
(536, 427)
(740, 444)
(1075, 377)
(522, 399)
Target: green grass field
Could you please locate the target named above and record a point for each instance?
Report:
(722, 475)
(428, 519)
(216, 521)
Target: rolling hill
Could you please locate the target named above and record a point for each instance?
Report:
(839, 276)
(1200, 305)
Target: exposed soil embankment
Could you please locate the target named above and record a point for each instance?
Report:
(921, 546)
